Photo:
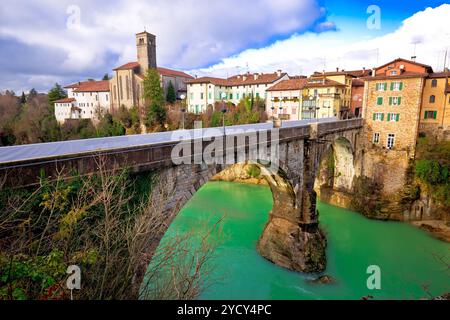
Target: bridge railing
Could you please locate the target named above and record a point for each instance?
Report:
(330, 127)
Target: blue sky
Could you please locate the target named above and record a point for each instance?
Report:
(70, 40)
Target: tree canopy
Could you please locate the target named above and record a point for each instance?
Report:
(154, 97)
(56, 93)
(171, 94)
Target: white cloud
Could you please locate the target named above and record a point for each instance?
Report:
(190, 33)
(305, 53)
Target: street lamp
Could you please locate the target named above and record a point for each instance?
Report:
(183, 110)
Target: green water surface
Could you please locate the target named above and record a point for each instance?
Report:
(405, 255)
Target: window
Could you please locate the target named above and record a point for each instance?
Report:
(430, 115)
(396, 86)
(209, 95)
(390, 140)
(394, 73)
(381, 86)
(107, 97)
(376, 137)
(237, 96)
(231, 96)
(395, 101)
(201, 95)
(379, 101)
(393, 117)
(120, 87)
(377, 116)
(294, 110)
(434, 83)
(432, 99)
(257, 94)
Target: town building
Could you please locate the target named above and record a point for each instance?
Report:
(206, 91)
(126, 85)
(85, 100)
(305, 98)
(356, 102)
(435, 113)
(391, 107)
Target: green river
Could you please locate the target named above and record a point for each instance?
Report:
(405, 255)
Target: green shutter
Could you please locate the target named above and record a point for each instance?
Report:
(385, 86)
(434, 114)
(399, 100)
(392, 86)
(425, 116)
(401, 85)
(374, 116)
(389, 117)
(379, 101)
(382, 116)
(397, 117)
(390, 101)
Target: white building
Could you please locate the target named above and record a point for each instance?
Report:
(206, 91)
(85, 100)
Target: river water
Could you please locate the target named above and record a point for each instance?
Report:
(409, 259)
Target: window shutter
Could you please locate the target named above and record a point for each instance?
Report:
(374, 116)
(392, 86)
(401, 85)
(399, 100)
(379, 101)
(390, 101)
(397, 117)
(425, 115)
(434, 114)
(389, 117)
(385, 86)
(382, 116)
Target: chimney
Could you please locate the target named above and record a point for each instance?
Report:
(373, 72)
(239, 76)
(337, 69)
(244, 78)
(279, 73)
(255, 76)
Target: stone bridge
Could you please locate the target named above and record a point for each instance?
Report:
(290, 163)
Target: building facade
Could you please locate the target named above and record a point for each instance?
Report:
(126, 85)
(356, 103)
(391, 108)
(435, 113)
(205, 91)
(85, 100)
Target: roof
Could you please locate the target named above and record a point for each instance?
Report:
(406, 60)
(173, 73)
(128, 66)
(241, 80)
(93, 86)
(351, 73)
(65, 100)
(445, 74)
(212, 80)
(405, 74)
(288, 85)
(322, 83)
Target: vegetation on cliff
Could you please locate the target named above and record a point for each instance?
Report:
(108, 224)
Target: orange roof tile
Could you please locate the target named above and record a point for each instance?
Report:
(93, 86)
(288, 85)
(173, 73)
(128, 66)
(65, 100)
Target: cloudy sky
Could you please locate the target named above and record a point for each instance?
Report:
(47, 41)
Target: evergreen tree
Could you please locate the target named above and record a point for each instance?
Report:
(171, 94)
(23, 98)
(106, 77)
(154, 96)
(56, 93)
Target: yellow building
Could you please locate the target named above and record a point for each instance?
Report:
(345, 94)
(435, 113)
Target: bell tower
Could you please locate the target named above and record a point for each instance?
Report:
(146, 50)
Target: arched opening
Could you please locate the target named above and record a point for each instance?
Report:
(336, 172)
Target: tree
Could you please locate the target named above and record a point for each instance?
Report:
(109, 127)
(106, 77)
(56, 93)
(171, 94)
(33, 93)
(154, 96)
(23, 98)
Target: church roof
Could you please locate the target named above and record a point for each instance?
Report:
(128, 66)
(65, 100)
(173, 73)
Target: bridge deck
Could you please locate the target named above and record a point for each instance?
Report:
(75, 147)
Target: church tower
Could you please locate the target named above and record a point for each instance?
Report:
(146, 50)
